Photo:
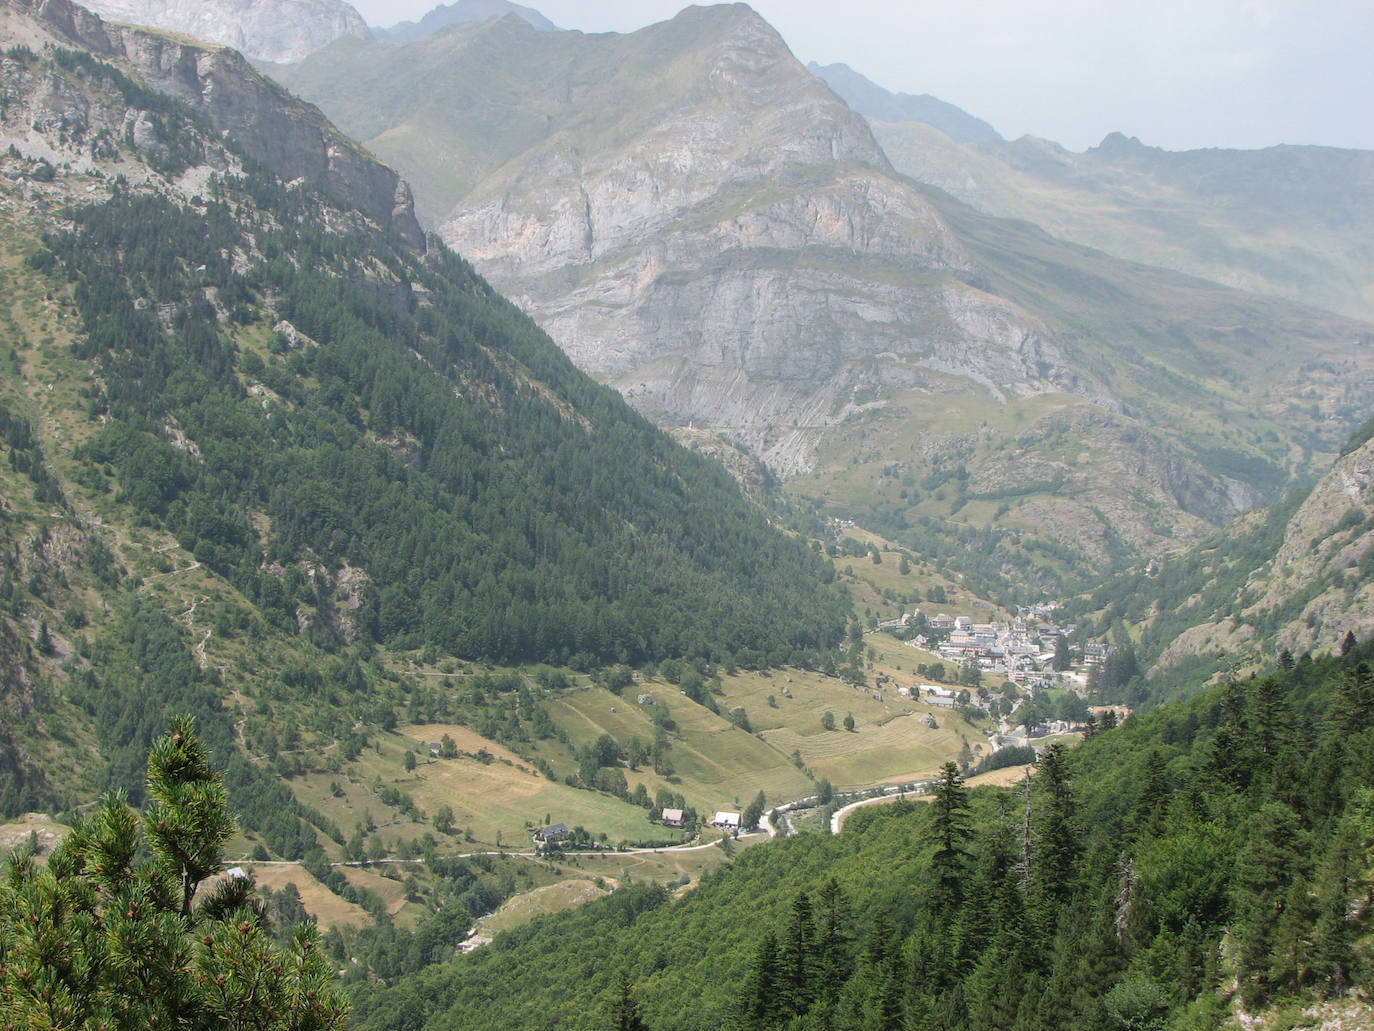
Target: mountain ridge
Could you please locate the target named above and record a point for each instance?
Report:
(458, 13)
(259, 448)
(268, 30)
(880, 105)
(782, 287)
(292, 138)
(1285, 221)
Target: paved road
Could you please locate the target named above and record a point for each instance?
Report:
(891, 794)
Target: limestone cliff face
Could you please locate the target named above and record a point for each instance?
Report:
(1328, 543)
(735, 251)
(266, 30)
(291, 137)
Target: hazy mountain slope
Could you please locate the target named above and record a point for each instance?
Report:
(879, 105)
(459, 13)
(1291, 222)
(601, 145)
(268, 30)
(697, 220)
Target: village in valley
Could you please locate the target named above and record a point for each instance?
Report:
(1031, 657)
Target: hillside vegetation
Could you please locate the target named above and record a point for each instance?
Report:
(1199, 861)
(1291, 579)
(954, 374)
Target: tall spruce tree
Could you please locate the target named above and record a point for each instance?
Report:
(951, 825)
(1055, 838)
(624, 1009)
(797, 959)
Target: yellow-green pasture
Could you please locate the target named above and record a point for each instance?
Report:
(497, 800)
(327, 908)
(551, 898)
(715, 764)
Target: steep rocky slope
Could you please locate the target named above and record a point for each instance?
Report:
(1318, 587)
(699, 221)
(691, 215)
(291, 138)
(254, 443)
(268, 30)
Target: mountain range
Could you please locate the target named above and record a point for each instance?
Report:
(786, 289)
(458, 13)
(268, 30)
(896, 354)
(278, 459)
(878, 105)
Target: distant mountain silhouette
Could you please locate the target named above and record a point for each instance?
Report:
(457, 13)
(872, 101)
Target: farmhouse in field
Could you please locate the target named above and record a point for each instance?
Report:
(551, 834)
(672, 817)
(726, 821)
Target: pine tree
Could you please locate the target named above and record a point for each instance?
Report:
(1151, 812)
(105, 937)
(1056, 844)
(753, 813)
(832, 945)
(1273, 859)
(1333, 937)
(797, 959)
(757, 1005)
(1062, 660)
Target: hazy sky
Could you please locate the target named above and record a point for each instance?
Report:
(1176, 73)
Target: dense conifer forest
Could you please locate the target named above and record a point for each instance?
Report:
(419, 427)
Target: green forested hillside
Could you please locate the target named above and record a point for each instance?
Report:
(261, 455)
(267, 465)
(1207, 855)
(502, 505)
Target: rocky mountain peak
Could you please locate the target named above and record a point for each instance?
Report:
(265, 30)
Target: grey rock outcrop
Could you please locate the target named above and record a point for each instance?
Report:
(1324, 562)
(702, 223)
(287, 135)
(265, 30)
(736, 252)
